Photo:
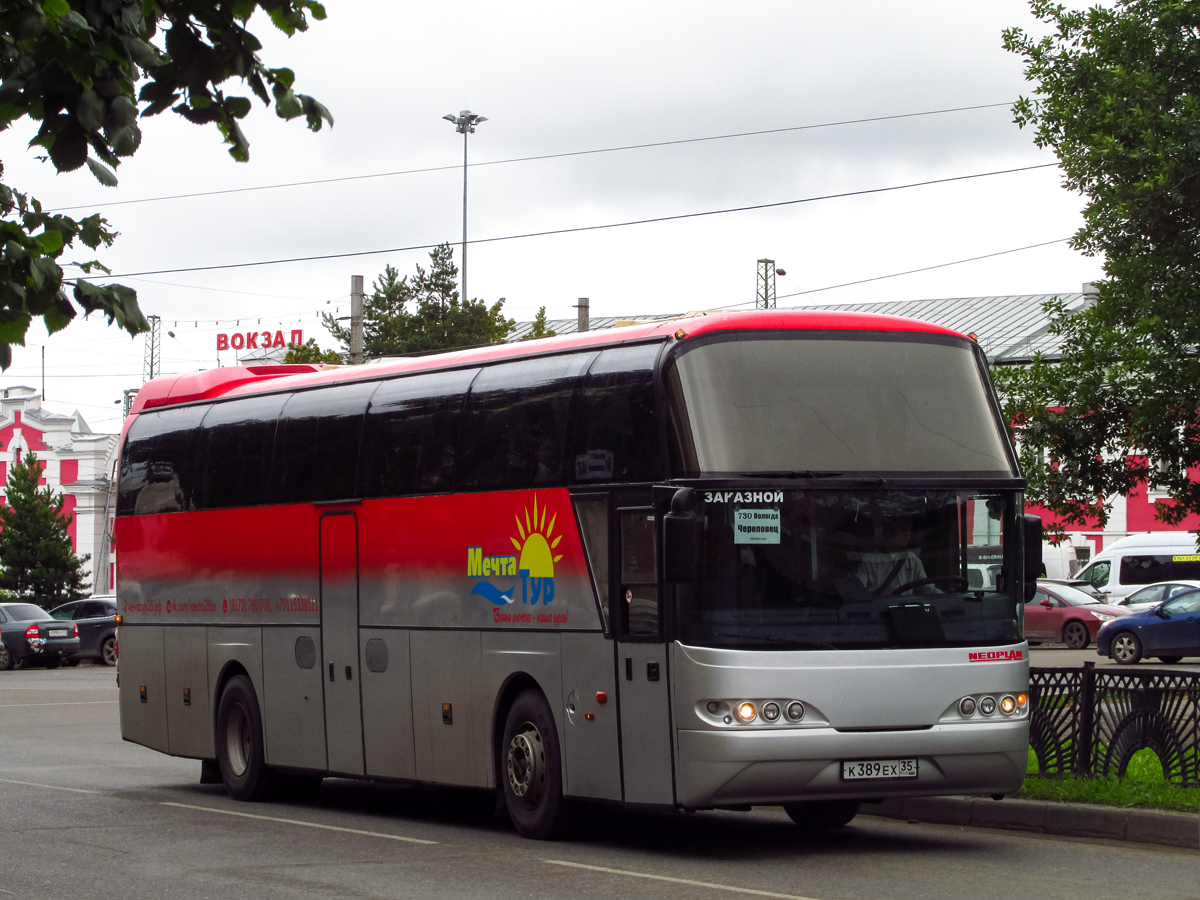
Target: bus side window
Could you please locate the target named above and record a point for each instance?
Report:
(592, 514)
(316, 444)
(639, 574)
(410, 436)
(160, 468)
(616, 429)
(238, 437)
(514, 429)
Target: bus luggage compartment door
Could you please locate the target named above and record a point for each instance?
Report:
(642, 683)
(339, 642)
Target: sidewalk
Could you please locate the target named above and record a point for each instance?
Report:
(1147, 826)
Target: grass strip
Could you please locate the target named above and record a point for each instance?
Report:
(1143, 786)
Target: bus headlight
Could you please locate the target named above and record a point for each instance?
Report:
(795, 711)
(746, 711)
(966, 706)
(987, 705)
(1008, 704)
(770, 711)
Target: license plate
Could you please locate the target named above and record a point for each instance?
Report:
(854, 770)
(57, 632)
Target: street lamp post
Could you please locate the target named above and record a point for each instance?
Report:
(464, 123)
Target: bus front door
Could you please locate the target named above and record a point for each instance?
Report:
(642, 678)
(339, 642)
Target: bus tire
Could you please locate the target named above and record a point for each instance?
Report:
(531, 770)
(240, 742)
(819, 815)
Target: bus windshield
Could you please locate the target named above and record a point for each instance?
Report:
(844, 570)
(832, 402)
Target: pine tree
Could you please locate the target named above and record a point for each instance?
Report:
(539, 329)
(36, 559)
(423, 313)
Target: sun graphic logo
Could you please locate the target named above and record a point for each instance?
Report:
(535, 543)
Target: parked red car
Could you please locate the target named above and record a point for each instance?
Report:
(1061, 613)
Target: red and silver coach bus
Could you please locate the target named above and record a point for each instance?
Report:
(708, 563)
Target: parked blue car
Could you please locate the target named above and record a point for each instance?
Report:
(1169, 631)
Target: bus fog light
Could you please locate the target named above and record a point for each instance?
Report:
(987, 705)
(1008, 705)
(966, 706)
(770, 711)
(795, 711)
(746, 711)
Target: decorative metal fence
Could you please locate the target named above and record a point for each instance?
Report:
(1091, 722)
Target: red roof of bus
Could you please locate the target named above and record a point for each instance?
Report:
(237, 381)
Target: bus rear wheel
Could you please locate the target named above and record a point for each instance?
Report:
(531, 770)
(240, 742)
(819, 815)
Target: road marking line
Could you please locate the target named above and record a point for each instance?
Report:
(689, 882)
(64, 703)
(53, 787)
(230, 812)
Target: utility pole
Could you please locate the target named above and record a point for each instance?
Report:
(765, 298)
(152, 365)
(356, 320)
(585, 315)
(464, 124)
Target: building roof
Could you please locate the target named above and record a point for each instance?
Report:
(1010, 329)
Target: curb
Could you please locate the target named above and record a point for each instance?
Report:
(1144, 826)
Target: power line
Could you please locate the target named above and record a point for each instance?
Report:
(582, 228)
(518, 159)
(956, 262)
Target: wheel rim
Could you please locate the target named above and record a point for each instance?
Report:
(527, 764)
(1076, 636)
(3, 657)
(1124, 647)
(237, 740)
(109, 651)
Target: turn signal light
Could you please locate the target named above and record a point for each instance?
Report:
(119, 617)
(1022, 700)
(746, 711)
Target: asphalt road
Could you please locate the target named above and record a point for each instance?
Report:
(1058, 655)
(84, 815)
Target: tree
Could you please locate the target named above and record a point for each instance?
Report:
(1117, 101)
(74, 65)
(422, 313)
(310, 352)
(36, 559)
(539, 329)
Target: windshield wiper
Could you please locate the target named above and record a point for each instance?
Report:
(806, 473)
(773, 639)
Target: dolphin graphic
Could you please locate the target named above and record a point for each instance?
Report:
(493, 593)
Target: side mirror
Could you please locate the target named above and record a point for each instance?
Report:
(1031, 535)
(1047, 604)
(1162, 613)
(681, 538)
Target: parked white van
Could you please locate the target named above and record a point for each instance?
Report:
(1142, 559)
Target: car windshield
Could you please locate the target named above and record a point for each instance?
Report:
(833, 570)
(27, 612)
(1073, 596)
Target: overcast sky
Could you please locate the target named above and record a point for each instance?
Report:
(556, 78)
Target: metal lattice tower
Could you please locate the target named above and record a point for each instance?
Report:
(765, 298)
(152, 366)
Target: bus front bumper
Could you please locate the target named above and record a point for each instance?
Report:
(767, 766)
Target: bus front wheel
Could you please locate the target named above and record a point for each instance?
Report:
(531, 769)
(818, 815)
(240, 742)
